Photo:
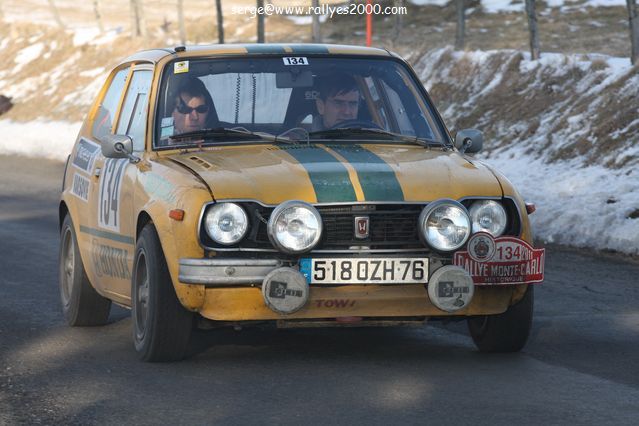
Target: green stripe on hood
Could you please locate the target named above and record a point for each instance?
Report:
(329, 176)
(377, 178)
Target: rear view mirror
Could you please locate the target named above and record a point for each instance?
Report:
(469, 141)
(293, 78)
(118, 146)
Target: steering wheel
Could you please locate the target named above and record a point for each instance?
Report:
(364, 124)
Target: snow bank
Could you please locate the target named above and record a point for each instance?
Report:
(499, 6)
(579, 206)
(559, 107)
(429, 2)
(564, 130)
(45, 139)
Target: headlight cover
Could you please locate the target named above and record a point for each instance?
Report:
(226, 223)
(488, 216)
(445, 225)
(295, 227)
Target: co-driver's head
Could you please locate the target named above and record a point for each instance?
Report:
(192, 106)
(338, 99)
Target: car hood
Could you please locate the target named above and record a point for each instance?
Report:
(337, 173)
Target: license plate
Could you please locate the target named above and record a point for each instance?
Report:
(365, 270)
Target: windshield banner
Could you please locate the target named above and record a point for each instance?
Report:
(502, 260)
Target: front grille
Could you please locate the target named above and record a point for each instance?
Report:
(391, 226)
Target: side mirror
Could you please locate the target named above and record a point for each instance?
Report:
(469, 141)
(118, 146)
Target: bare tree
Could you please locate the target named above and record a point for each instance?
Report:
(399, 20)
(220, 22)
(317, 36)
(56, 14)
(460, 34)
(634, 30)
(532, 28)
(138, 27)
(180, 11)
(98, 17)
(260, 22)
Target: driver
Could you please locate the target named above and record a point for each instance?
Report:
(192, 106)
(338, 100)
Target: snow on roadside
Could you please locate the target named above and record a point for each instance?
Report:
(93, 36)
(429, 2)
(45, 139)
(27, 55)
(305, 19)
(506, 6)
(577, 206)
(563, 129)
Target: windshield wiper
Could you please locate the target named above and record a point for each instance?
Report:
(358, 131)
(224, 132)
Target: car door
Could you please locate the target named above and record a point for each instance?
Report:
(113, 219)
(85, 171)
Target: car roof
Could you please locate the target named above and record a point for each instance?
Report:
(155, 55)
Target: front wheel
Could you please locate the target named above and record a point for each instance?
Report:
(161, 325)
(507, 332)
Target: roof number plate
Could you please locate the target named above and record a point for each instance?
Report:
(299, 60)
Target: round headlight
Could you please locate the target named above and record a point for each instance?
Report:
(445, 225)
(226, 223)
(488, 216)
(295, 227)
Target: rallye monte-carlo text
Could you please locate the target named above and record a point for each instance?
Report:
(299, 184)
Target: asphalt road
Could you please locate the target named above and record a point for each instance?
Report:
(581, 364)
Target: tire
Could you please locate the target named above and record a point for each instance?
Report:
(161, 325)
(507, 332)
(81, 304)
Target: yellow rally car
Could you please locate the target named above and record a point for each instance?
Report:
(300, 184)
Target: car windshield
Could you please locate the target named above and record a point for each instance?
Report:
(291, 99)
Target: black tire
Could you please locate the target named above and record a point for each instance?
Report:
(161, 325)
(507, 332)
(81, 304)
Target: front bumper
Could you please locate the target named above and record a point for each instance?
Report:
(226, 272)
(233, 293)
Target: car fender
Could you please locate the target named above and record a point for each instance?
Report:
(161, 188)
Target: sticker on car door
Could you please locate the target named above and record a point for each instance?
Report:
(85, 155)
(109, 196)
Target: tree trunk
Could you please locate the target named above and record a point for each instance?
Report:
(98, 17)
(461, 24)
(138, 27)
(180, 11)
(135, 23)
(56, 15)
(142, 18)
(260, 22)
(399, 21)
(220, 22)
(634, 30)
(317, 36)
(532, 27)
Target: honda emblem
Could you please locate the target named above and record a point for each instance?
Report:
(361, 227)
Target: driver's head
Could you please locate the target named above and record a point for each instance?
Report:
(192, 106)
(338, 99)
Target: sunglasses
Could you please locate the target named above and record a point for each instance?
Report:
(185, 109)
